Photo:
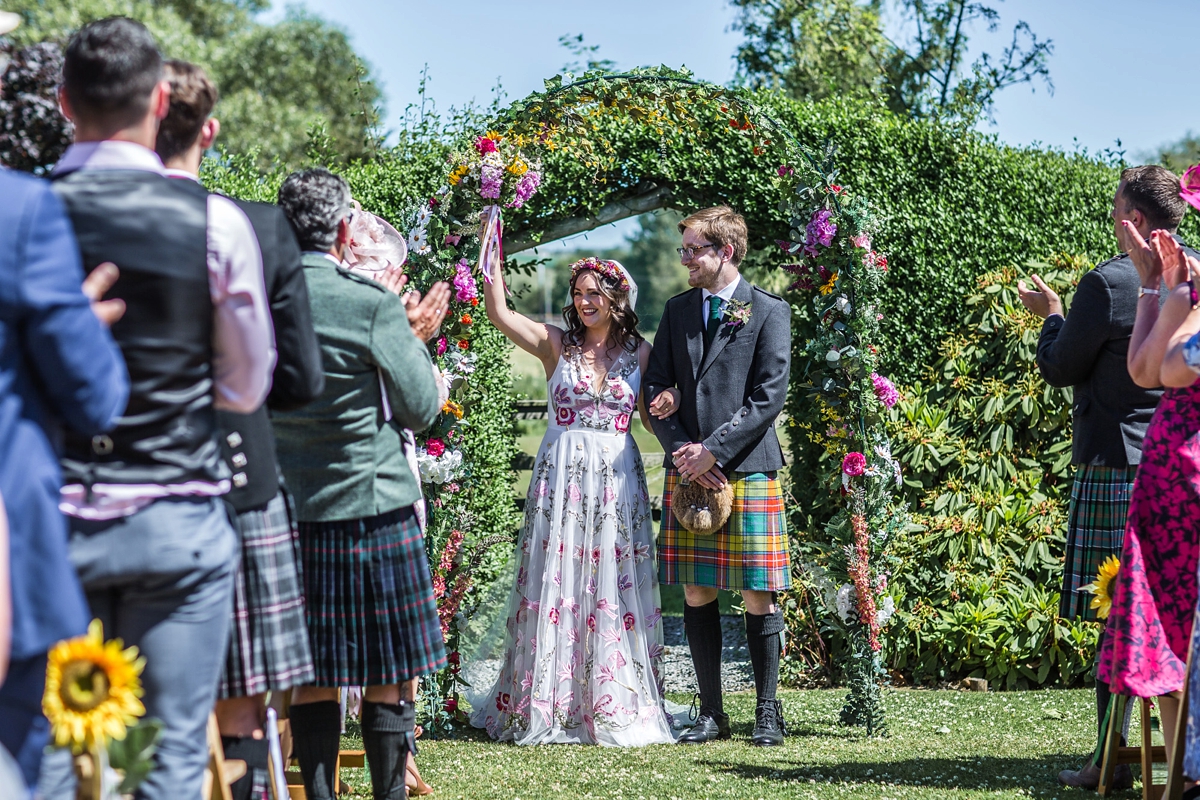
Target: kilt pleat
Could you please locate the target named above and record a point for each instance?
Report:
(372, 617)
(1095, 531)
(749, 552)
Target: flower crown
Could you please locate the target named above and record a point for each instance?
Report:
(606, 268)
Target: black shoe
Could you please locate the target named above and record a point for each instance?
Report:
(710, 726)
(769, 728)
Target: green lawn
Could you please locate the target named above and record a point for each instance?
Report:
(943, 744)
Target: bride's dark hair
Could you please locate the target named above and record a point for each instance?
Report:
(622, 329)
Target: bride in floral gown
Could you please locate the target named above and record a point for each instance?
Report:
(584, 624)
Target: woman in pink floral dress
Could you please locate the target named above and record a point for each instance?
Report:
(584, 633)
(1154, 594)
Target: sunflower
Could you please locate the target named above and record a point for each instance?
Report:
(830, 284)
(1102, 587)
(458, 173)
(92, 689)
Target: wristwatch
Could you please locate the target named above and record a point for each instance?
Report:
(1143, 291)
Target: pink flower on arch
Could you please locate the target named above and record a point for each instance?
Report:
(484, 145)
(885, 390)
(854, 464)
(435, 447)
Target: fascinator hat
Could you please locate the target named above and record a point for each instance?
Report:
(610, 269)
(375, 246)
(1189, 186)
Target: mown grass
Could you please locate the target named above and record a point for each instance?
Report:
(942, 744)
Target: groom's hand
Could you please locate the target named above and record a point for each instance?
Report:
(713, 479)
(693, 461)
(666, 404)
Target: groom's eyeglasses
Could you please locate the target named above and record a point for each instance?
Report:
(688, 253)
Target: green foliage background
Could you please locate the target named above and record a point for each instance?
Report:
(275, 80)
(978, 592)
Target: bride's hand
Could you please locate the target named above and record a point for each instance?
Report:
(666, 404)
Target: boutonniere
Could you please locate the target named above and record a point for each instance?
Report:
(735, 313)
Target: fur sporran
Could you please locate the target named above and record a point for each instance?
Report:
(700, 510)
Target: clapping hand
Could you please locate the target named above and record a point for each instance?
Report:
(696, 463)
(665, 404)
(96, 285)
(425, 315)
(1044, 302)
(1174, 261)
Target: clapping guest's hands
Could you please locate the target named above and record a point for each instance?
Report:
(425, 315)
(1044, 302)
(1146, 258)
(1174, 261)
(394, 280)
(665, 404)
(96, 285)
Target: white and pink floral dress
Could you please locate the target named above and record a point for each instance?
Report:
(584, 626)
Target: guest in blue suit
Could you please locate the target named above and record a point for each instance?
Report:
(58, 367)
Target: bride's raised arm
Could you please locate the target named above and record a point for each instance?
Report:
(544, 341)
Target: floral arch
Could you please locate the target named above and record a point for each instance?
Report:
(562, 161)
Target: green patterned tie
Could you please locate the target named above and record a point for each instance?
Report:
(714, 318)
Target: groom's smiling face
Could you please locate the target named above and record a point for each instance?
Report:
(706, 262)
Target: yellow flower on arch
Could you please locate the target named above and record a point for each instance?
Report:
(92, 689)
(829, 285)
(458, 173)
(1101, 588)
(454, 408)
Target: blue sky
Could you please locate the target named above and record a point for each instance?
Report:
(1123, 71)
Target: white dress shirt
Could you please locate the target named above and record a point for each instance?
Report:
(243, 337)
(725, 294)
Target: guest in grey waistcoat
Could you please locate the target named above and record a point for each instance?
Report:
(718, 375)
(268, 641)
(1086, 350)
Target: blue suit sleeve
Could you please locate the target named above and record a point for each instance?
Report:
(80, 367)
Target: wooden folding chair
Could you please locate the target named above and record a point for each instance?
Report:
(1174, 787)
(220, 773)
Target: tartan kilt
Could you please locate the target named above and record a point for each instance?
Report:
(1095, 531)
(372, 617)
(268, 640)
(749, 552)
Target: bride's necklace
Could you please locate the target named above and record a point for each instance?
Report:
(593, 363)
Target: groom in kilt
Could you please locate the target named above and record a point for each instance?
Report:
(718, 376)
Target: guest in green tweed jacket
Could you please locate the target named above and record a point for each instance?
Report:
(371, 614)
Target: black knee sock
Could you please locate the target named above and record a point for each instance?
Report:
(703, 627)
(762, 638)
(255, 752)
(316, 739)
(387, 739)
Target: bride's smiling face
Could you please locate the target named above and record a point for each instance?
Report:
(593, 307)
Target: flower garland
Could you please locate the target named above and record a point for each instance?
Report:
(830, 238)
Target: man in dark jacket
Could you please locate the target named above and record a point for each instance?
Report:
(721, 363)
(268, 643)
(1086, 350)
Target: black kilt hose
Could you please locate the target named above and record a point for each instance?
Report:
(372, 616)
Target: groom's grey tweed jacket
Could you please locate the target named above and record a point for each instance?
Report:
(731, 393)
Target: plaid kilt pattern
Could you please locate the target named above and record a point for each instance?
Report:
(268, 640)
(1095, 531)
(750, 552)
(372, 617)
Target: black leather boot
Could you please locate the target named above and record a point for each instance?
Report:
(769, 728)
(710, 726)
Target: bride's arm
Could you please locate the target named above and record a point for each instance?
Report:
(543, 341)
(644, 363)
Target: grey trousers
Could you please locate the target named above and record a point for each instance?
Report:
(162, 579)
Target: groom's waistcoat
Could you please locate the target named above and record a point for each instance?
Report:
(733, 388)
(156, 234)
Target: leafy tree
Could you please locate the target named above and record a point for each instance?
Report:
(276, 81)
(651, 259)
(810, 49)
(585, 57)
(1178, 155)
(813, 48)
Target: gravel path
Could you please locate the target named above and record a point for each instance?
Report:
(678, 674)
